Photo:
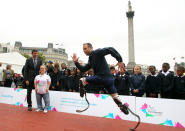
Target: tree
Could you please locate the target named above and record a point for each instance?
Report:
(42, 57)
(26, 55)
(182, 64)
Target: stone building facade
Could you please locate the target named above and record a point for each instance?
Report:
(5, 48)
(56, 55)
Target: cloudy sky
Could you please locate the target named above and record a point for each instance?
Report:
(159, 26)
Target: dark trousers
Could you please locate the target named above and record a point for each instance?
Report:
(178, 96)
(1, 83)
(29, 91)
(8, 82)
(127, 93)
(148, 95)
(137, 95)
(167, 94)
(107, 82)
(57, 88)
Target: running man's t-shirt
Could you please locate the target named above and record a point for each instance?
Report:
(42, 83)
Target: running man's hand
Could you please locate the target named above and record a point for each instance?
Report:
(120, 65)
(75, 59)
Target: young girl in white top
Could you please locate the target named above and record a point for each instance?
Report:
(42, 83)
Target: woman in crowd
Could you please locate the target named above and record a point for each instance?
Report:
(18, 80)
(56, 65)
(73, 81)
(65, 80)
(137, 82)
(122, 82)
(55, 80)
(8, 76)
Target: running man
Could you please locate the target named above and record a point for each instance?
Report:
(102, 75)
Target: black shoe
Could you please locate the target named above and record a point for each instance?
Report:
(29, 108)
(124, 108)
(82, 90)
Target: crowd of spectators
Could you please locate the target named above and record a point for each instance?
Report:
(163, 84)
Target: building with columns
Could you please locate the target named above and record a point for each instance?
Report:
(5, 48)
(56, 55)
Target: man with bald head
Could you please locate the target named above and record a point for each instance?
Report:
(102, 75)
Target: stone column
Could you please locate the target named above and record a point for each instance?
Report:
(131, 53)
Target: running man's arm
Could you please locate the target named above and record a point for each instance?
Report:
(82, 68)
(112, 52)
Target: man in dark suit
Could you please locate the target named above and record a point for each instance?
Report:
(31, 69)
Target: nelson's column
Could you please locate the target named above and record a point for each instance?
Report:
(131, 56)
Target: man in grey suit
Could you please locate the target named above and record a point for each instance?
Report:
(31, 69)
